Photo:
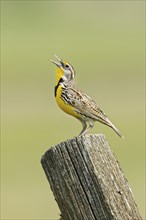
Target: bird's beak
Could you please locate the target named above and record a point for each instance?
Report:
(57, 64)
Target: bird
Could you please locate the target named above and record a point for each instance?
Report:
(75, 102)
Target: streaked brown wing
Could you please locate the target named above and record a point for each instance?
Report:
(87, 106)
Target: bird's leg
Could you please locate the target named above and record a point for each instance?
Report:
(84, 124)
(85, 129)
(91, 125)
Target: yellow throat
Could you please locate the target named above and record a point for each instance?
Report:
(69, 109)
(59, 74)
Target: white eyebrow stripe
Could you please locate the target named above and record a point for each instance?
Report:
(72, 71)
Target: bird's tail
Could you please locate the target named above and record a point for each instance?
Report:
(114, 128)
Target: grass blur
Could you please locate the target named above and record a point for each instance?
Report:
(104, 41)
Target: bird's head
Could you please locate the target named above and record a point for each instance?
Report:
(64, 70)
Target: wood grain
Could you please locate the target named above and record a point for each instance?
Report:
(87, 181)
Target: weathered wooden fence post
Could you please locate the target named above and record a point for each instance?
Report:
(87, 182)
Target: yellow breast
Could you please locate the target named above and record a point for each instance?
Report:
(66, 107)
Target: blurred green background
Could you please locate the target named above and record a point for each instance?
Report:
(104, 41)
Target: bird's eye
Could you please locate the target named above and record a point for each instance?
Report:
(66, 65)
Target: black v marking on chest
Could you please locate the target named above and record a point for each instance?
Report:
(56, 87)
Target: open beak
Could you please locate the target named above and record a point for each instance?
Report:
(57, 64)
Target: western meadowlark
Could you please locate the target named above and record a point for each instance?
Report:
(76, 103)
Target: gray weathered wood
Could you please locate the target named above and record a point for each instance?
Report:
(87, 182)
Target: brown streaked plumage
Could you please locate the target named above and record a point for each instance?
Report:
(75, 102)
